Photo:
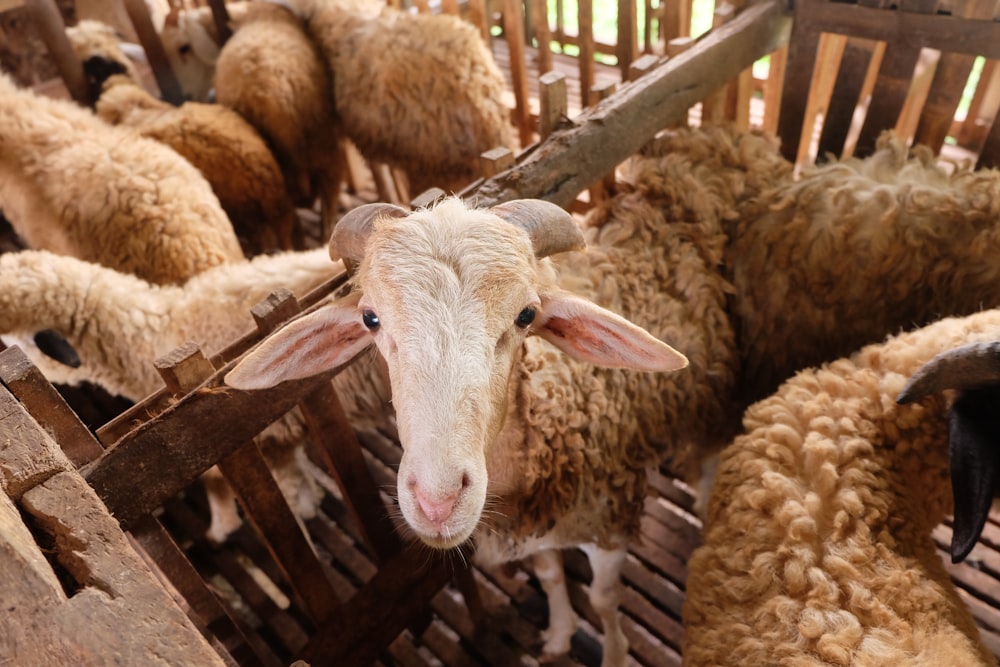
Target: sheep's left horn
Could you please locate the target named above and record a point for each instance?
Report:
(552, 229)
(350, 234)
(966, 367)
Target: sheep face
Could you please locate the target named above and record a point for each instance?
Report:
(448, 296)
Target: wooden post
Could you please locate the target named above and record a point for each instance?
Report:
(495, 160)
(675, 47)
(585, 9)
(713, 107)
(49, 23)
(479, 17)
(513, 26)
(540, 19)
(628, 47)
(642, 65)
(553, 102)
(606, 186)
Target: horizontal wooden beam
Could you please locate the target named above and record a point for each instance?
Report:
(935, 31)
(603, 136)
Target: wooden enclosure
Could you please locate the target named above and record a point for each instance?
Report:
(345, 588)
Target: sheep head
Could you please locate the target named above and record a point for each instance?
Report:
(973, 432)
(448, 296)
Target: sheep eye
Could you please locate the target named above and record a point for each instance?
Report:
(370, 320)
(525, 317)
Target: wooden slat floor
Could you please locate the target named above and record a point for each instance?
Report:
(654, 583)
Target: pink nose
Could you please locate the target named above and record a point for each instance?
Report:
(437, 510)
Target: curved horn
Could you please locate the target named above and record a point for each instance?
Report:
(965, 367)
(552, 229)
(350, 234)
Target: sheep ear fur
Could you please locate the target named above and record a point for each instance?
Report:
(315, 343)
(590, 333)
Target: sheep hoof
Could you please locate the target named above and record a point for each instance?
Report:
(557, 644)
(221, 529)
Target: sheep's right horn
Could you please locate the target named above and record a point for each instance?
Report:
(552, 229)
(966, 367)
(350, 234)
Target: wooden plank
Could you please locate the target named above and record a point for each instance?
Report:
(893, 83)
(280, 623)
(119, 609)
(341, 455)
(844, 98)
(26, 457)
(47, 406)
(265, 507)
(933, 31)
(513, 28)
(543, 35)
(803, 49)
(772, 89)
(604, 136)
(553, 103)
(163, 455)
(825, 76)
(585, 21)
(628, 47)
(170, 88)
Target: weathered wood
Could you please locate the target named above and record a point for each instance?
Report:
(26, 457)
(163, 455)
(211, 614)
(47, 406)
(641, 65)
(553, 103)
(713, 107)
(495, 160)
(115, 606)
(825, 75)
(772, 89)
(585, 23)
(604, 136)
(934, 31)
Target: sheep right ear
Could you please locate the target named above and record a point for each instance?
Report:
(313, 344)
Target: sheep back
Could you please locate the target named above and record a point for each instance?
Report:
(813, 255)
(225, 148)
(72, 184)
(817, 546)
(274, 76)
(419, 92)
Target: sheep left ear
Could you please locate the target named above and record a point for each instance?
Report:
(315, 343)
(590, 333)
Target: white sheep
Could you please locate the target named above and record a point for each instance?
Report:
(451, 297)
(420, 92)
(120, 325)
(817, 548)
(73, 184)
(192, 44)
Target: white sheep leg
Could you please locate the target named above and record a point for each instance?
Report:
(563, 620)
(225, 516)
(605, 598)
